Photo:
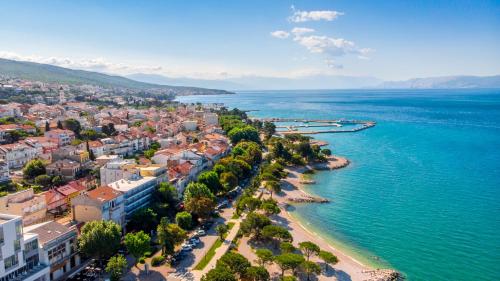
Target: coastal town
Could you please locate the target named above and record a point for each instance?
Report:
(104, 185)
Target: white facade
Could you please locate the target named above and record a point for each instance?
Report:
(211, 119)
(190, 125)
(117, 170)
(4, 171)
(17, 155)
(137, 192)
(20, 256)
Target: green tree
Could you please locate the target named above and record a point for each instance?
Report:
(309, 248)
(288, 278)
(143, 219)
(184, 220)
(228, 180)
(33, 169)
(273, 187)
(59, 124)
(219, 274)
(137, 244)
(43, 180)
(328, 258)
(100, 239)
(257, 273)
(326, 152)
(249, 204)
(221, 230)
(169, 235)
(277, 233)
(236, 263)
(248, 133)
(287, 247)
(309, 268)
(288, 261)
(253, 224)
(270, 207)
(47, 126)
(73, 125)
(116, 267)
(211, 180)
(199, 200)
(149, 153)
(264, 256)
(269, 129)
(58, 181)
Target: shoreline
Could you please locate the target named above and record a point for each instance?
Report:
(348, 267)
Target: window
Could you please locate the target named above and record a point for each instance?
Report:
(1, 236)
(30, 246)
(11, 261)
(19, 228)
(17, 245)
(57, 252)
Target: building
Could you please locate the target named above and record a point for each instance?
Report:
(103, 159)
(68, 169)
(4, 172)
(116, 170)
(16, 155)
(137, 192)
(102, 203)
(20, 256)
(61, 136)
(211, 119)
(26, 204)
(57, 248)
(190, 125)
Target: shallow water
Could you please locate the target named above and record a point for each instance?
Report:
(422, 192)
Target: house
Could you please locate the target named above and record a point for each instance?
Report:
(4, 172)
(16, 155)
(20, 258)
(137, 192)
(56, 202)
(71, 153)
(117, 170)
(71, 190)
(30, 206)
(190, 125)
(65, 168)
(62, 137)
(44, 146)
(103, 159)
(102, 203)
(57, 248)
(211, 119)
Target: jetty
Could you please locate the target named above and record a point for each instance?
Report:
(293, 129)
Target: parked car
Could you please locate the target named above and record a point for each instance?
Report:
(187, 247)
(194, 241)
(200, 232)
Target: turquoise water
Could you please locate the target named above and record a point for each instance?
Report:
(422, 192)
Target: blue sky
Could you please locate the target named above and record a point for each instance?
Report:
(214, 39)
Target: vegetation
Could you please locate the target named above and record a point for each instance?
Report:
(328, 258)
(253, 224)
(33, 169)
(184, 220)
(100, 239)
(169, 235)
(309, 248)
(288, 261)
(235, 262)
(116, 267)
(309, 268)
(264, 256)
(137, 244)
(221, 230)
(157, 260)
(199, 200)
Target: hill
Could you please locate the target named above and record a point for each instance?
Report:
(56, 74)
(445, 82)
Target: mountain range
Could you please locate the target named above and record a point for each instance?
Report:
(192, 86)
(52, 73)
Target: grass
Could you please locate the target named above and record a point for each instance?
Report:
(235, 216)
(211, 252)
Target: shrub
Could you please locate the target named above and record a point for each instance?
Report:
(148, 254)
(142, 260)
(157, 261)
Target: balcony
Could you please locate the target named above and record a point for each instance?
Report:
(28, 274)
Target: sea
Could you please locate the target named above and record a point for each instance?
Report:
(422, 192)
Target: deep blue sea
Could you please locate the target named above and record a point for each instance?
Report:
(422, 193)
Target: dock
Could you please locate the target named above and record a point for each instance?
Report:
(292, 129)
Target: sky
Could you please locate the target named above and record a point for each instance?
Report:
(390, 40)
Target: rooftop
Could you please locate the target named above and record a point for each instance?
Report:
(48, 231)
(124, 185)
(103, 193)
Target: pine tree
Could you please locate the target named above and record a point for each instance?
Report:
(59, 124)
(47, 126)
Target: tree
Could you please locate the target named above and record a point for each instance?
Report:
(221, 230)
(57, 181)
(43, 180)
(309, 268)
(277, 233)
(270, 207)
(219, 274)
(167, 193)
(211, 180)
(100, 239)
(257, 273)
(143, 219)
(273, 186)
(309, 248)
(117, 265)
(33, 169)
(249, 204)
(254, 223)
(169, 235)
(199, 200)
(137, 244)
(264, 256)
(288, 278)
(92, 155)
(287, 247)
(269, 129)
(248, 133)
(288, 261)
(149, 153)
(328, 258)
(236, 263)
(326, 152)
(47, 126)
(73, 125)
(184, 220)
(109, 129)
(59, 124)
(228, 180)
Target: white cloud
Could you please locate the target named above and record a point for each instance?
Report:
(331, 46)
(333, 64)
(301, 30)
(303, 16)
(281, 34)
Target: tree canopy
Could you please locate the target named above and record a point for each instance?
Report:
(137, 243)
(100, 239)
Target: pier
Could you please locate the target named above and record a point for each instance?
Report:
(364, 124)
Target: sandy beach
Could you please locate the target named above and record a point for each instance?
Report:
(348, 268)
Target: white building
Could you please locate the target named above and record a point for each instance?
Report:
(190, 125)
(4, 171)
(20, 255)
(116, 170)
(16, 155)
(137, 192)
(211, 119)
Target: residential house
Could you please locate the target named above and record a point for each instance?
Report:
(62, 137)
(137, 192)
(4, 172)
(30, 206)
(102, 203)
(19, 252)
(65, 168)
(16, 155)
(116, 170)
(57, 248)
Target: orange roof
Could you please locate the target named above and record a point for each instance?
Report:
(103, 193)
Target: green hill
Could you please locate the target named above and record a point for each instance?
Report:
(51, 73)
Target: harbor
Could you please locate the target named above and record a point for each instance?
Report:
(332, 126)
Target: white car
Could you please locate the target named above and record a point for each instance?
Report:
(186, 247)
(200, 232)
